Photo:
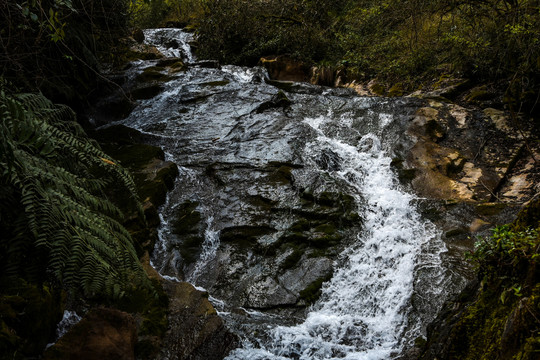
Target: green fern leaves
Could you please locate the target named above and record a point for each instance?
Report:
(55, 221)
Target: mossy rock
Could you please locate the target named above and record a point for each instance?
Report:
(152, 74)
(313, 291)
(262, 202)
(245, 236)
(215, 83)
(405, 176)
(490, 209)
(396, 90)
(282, 175)
(293, 259)
(327, 228)
(188, 219)
(325, 241)
(151, 310)
(117, 134)
(529, 216)
(135, 156)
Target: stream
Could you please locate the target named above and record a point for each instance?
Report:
(288, 211)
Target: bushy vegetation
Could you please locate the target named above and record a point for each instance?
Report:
(500, 320)
(57, 46)
(411, 42)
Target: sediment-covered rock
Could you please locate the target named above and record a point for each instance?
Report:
(102, 334)
(195, 331)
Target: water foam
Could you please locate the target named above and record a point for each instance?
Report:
(362, 313)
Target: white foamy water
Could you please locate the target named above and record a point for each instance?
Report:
(170, 42)
(363, 312)
(209, 246)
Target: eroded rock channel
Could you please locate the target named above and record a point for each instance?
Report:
(293, 207)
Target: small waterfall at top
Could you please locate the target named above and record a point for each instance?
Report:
(282, 197)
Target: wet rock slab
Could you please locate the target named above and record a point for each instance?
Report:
(195, 332)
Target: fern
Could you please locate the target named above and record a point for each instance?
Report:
(52, 205)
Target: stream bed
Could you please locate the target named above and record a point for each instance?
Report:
(288, 210)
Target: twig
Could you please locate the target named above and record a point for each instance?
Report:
(491, 192)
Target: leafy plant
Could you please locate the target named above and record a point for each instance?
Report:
(56, 223)
(507, 253)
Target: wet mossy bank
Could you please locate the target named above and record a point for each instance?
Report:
(497, 316)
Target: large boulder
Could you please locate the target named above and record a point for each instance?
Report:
(196, 332)
(102, 334)
(285, 68)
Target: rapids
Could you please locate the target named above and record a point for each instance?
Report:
(260, 169)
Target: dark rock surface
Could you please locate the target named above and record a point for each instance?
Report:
(102, 334)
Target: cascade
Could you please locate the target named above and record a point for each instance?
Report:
(286, 196)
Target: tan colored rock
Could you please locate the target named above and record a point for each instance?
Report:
(499, 118)
(284, 68)
(102, 334)
(460, 114)
(478, 224)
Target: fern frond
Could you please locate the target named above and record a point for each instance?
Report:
(48, 168)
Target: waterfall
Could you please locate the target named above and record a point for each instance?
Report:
(230, 153)
(362, 313)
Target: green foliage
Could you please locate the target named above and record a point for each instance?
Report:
(237, 31)
(408, 41)
(56, 223)
(507, 253)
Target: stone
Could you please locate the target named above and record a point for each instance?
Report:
(268, 293)
(103, 333)
(478, 225)
(195, 331)
(138, 35)
(285, 68)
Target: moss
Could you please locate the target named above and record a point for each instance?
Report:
(396, 90)
(327, 229)
(478, 94)
(378, 89)
(292, 259)
(325, 241)
(490, 209)
(313, 291)
(282, 85)
(300, 226)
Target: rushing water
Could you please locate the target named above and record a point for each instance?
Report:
(225, 130)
